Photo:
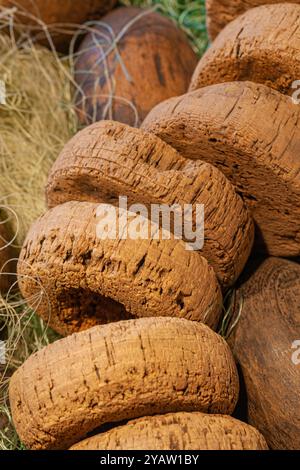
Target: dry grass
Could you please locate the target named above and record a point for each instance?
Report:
(26, 333)
(36, 121)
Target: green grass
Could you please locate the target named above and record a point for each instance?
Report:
(189, 15)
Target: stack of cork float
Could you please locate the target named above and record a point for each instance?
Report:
(248, 130)
(129, 369)
(88, 279)
(239, 117)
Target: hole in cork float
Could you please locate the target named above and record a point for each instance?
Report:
(83, 309)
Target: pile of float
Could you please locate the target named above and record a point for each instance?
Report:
(140, 316)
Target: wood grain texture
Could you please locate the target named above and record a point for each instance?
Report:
(120, 371)
(82, 280)
(152, 62)
(262, 45)
(178, 431)
(252, 134)
(109, 159)
(262, 344)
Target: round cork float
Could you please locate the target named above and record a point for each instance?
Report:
(252, 134)
(178, 431)
(59, 16)
(118, 372)
(83, 278)
(151, 61)
(109, 159)
(267, 347)
(221, 12)
(262, 45)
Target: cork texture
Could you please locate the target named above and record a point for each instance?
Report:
(262, 46)
(251, 133)
(77, 279)
(109, 159)
(178, 431)
(118, 372)
(267, 348)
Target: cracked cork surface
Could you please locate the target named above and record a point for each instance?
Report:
(109, 159)
(152, 62)
(266, 348)
(221, 12)
(178, 431)
(262, 45)
(118, 372)
(82, 280)
(251, 133)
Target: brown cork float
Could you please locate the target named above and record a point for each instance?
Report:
(151, 61)
(267, 347)
(118, 372)
(221, 12)
(252, 134)
(109, 159)
(262, 45)
(58, 14)
(178, 431)
(84, 280)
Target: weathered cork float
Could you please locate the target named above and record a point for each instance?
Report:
(82, 279)
(132, 60)
(262, 45)
(109, 159)
(251, 133)
(127, 370)
(265, 343)
(178, 431)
